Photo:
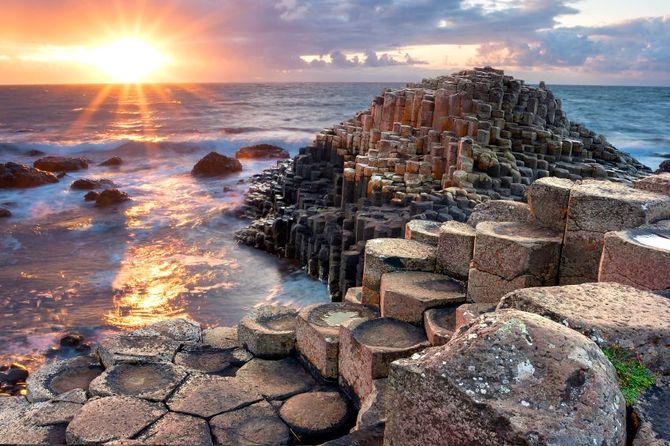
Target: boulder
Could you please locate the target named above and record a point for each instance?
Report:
(18, 175)
(511, 255)
(57, 378)
(112, 418)
(499, 210)
(257, 424)
(207, 395)
(664, 167)
(110, 197)
(261, 151)
(60, 164)
(207, 359)
(113, 161)
(598, 207)
(177, 429)
(455, 246)
(152, 382)
(548, 202)
(214, 164)
(385, 255)
(655, 183)
(268, 331)
(317, 332)
(406, 295)
(91, 196)
(608, 313)
(276, 379)
(423, 231)
(89, 184)
(367, 347)
(637, 257)
(316, 416)
(509, 378)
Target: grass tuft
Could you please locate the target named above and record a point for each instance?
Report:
(634, 377)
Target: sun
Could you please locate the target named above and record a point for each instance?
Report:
(129, 60)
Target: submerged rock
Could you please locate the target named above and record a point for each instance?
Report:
(88, 184)
(91, 196)
(215, 164)
(4, 213)
(261, 151)
(60, 164)
(19, 175)
(110, 197)
(113, 161)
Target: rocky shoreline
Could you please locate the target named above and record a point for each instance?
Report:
(499, 276)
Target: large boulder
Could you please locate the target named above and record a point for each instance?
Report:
(215, 164)
(608, 313)
(60, 164)
(509, 378)
(18, 175)
(261, 151)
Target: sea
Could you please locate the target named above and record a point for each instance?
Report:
(66, 266)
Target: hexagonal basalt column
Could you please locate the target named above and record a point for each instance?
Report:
(144, 345)
(207, 359)
(406, 295)
(317, 416)
(276, 379)
(509, 256)
(256, 424)
(60, 377)
(440, 324)
(385, 255)
(454, 249)
(548, 201)
(639, 257)
(268, 331)
(423, 231)
(367, 347)
(317, 332)
(147, 381)
(598, 207)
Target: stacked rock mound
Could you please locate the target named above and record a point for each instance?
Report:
(431, 151)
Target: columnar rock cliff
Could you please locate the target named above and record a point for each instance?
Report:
(433, 151)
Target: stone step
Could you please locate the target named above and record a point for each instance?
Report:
(268, 331)
(385, 255)
(598, 207)
(406, 295)
(317, 333)
(608, 313)
(639, 257)
(509, 256)
(367, 347)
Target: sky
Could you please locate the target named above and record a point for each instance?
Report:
(607, 42)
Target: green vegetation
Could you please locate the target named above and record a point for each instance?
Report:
(634, 377)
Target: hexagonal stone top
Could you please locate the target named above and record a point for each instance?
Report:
(272, 318)
(276, 379)
(207, 395)
(518, 232)
(257, 424)
(207, 359)
(424, 286)
(112, 418)
(394, 247)
(315, 414)
(59, 377)
(180, 330)
(148, 381)
(424, 231)
(388, 333)
(651, 236)
(608, 313)
(145, 345)
(327, 318)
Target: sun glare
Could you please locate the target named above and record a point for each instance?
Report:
(129, 60)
